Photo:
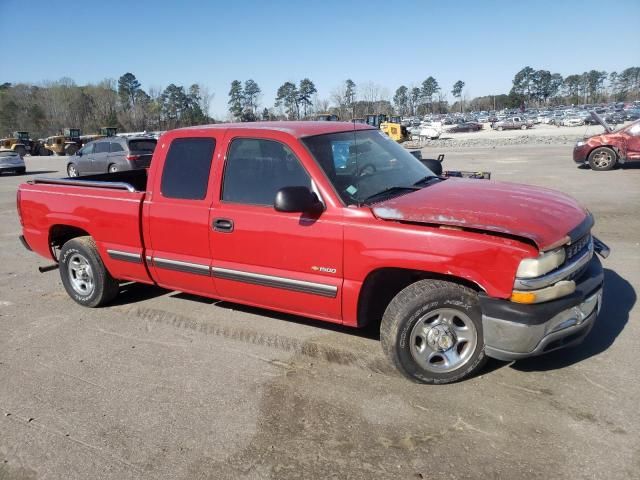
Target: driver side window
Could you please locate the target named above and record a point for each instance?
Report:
(87, 149)
(256, 169)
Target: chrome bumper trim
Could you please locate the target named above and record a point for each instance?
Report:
(507, 340)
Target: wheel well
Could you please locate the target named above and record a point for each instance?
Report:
(61, 234)
(612, 147)
(382, 285)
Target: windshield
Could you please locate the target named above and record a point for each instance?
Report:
(363, 163)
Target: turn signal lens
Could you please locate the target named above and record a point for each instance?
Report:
(559, 290)
(523, 297)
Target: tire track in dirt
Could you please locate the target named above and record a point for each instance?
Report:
(307, 348)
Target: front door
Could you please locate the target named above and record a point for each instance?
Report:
(177, 213)
(286, 261)
(633, 142)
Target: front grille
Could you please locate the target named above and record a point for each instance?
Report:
(578, 247)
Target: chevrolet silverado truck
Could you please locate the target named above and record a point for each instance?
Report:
(336, 222)
(609, 149)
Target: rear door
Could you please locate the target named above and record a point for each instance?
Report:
(117, 155)
(177, 212)
(99, 159)
(84, 159)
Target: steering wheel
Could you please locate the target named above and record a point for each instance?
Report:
(368, 169)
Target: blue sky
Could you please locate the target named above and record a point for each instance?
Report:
(483, 43)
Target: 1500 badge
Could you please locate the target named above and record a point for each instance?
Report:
(323, 269)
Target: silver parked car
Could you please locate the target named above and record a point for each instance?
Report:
(11, 161)
(112, 154)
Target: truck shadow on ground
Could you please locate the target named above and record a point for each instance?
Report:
(619, 297)
(131, 292)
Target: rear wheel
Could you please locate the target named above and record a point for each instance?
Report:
(83, 274)
(113, 168)
(72, 170)
(432, 332)
(603, 158)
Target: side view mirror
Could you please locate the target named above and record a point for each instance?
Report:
(297, 199)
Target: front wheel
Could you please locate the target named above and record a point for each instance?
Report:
(83, 274)
(603, 158)
(72, 170)
(113, 168)
(523, 127)
(432, 332)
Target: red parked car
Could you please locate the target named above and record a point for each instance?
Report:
(336, 222)
(614, 147)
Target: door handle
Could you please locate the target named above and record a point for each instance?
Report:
(223, 225)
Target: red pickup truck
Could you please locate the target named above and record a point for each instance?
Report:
(336, 222)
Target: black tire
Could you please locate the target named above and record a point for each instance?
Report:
(413, 305)
(602, 159)
(70, 150)
(72, 170)
(80, 251)
(113, 168)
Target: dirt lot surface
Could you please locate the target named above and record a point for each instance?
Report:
(540, 134)
(167, 385)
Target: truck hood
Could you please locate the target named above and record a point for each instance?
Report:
(541, 215)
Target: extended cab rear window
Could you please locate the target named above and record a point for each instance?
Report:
(186, 168)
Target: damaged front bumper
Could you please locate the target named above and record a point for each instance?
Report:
(513, 331)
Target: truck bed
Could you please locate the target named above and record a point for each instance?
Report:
(108, 207)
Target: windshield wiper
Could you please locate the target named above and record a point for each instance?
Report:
(387, 191)
(426, 180)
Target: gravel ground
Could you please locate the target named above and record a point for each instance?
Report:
(540, 134)
(167, 385)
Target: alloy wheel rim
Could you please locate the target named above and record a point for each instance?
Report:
(443, 340)
(602, 159)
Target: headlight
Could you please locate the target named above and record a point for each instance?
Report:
(579, 143)
(536, 267)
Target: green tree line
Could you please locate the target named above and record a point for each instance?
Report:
(47, 108)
